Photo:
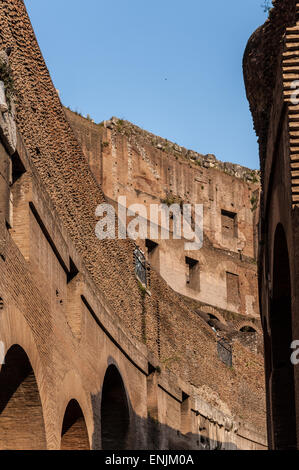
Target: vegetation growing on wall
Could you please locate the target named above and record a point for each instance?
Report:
(7, 79)
(253, 202)
(267, 5)
(172, 199)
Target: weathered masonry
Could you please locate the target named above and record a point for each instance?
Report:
(146, 169)
(271, 69)
(92, 360)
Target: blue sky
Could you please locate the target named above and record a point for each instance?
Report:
(171, 67)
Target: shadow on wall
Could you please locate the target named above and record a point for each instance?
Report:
(74, 433)
(118, 427)
(281, 380)
(21, 414)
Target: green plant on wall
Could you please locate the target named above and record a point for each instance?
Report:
(254, 177)
(169, 360)
(120, 124)
(253, 202)
(267, 5)
(172, 199)
(142, 289)
(143, 292)
(6, 78)
(104, 145)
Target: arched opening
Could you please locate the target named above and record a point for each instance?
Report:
(21, 415)
(247, 329)
(114, 411)
(282, 375)
(74, 434)
(213, 317)
(213, 321)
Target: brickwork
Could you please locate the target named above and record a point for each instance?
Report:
(73, 304)
(270, 69)
(132, 163)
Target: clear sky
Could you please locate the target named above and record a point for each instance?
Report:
(172, 67)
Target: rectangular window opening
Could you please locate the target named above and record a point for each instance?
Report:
(151, 246)
(193, 273)
(233, 288)
(229, 224)
(18, 169)
(153, 254)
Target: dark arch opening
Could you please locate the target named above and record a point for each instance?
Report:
(212, 319)
(114, 411)
(282, 375)
(21, 415)
(247, 329)
(74, 435)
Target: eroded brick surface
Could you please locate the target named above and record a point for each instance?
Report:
(74, 326)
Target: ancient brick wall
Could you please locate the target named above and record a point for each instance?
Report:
(271, 73)
(128, 161)
(75, 307)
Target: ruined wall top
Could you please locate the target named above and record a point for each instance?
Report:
(135, 133)
(260, 66)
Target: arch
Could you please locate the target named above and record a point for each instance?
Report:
(115, 419)
(213, 313)
(248, 329)
(21, 414)
(282, 387)
(74, 435)
(212, 317)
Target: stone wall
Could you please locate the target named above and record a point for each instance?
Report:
(69, 336)
(128, 161)
(270, 68)
(73, 304)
